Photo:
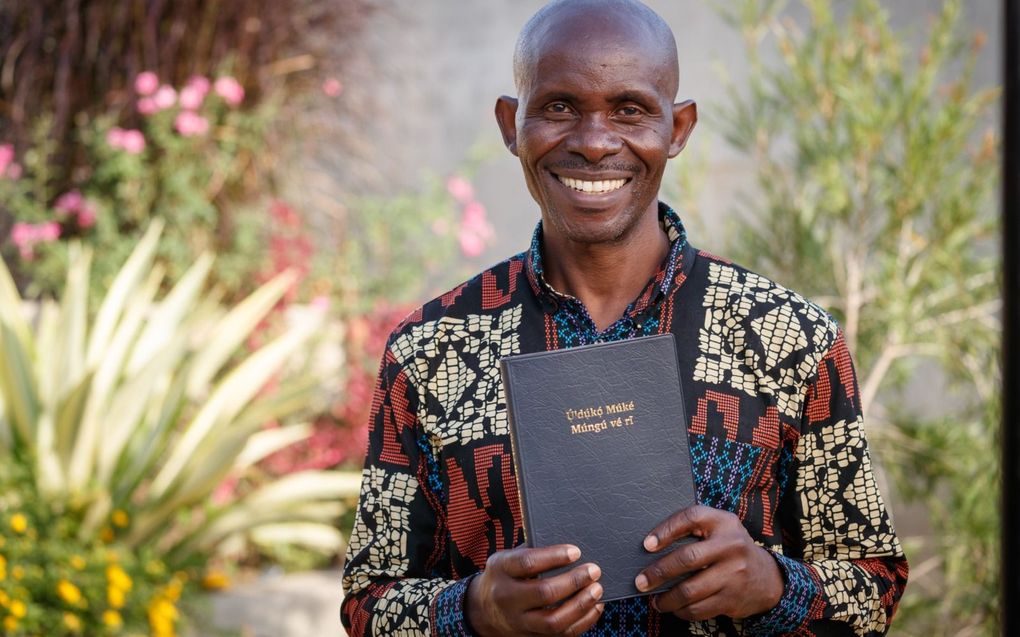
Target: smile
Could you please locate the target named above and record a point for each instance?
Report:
(595, 187)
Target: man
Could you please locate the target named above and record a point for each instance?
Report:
(795, 538)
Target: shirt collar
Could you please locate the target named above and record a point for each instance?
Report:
(671, 272)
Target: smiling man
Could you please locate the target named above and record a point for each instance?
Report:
(795, 538)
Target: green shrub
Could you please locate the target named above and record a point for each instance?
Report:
(877, 174)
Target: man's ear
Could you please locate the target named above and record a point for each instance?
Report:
(685, 116)
(506, 117)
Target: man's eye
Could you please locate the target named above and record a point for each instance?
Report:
(629, 111)
(557, 107)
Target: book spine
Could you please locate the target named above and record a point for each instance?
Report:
(515, 449)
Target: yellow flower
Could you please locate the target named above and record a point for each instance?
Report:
(120, 518)
(115, 597)
(18, 572)
(112, 619)
(19, 523)
(3, 568)
(4, 599)
(10, 624)
(72, 622)
(215, 580)
(106, 534)
(69, 592)
(118, 578)
(18, 608)
(162, 615)
(77, 562)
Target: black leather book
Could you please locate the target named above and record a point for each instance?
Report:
(600, 446)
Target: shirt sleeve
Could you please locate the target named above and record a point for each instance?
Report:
(841, 560)
(393, 579)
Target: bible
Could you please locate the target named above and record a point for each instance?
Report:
(600, 447)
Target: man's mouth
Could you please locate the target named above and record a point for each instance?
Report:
(595, 187)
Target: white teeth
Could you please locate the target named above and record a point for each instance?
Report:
(605, 185)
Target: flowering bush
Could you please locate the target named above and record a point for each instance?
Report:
(190, 157)
(52, 583)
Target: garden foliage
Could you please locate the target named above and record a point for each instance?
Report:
(125, 418)
(877, 171)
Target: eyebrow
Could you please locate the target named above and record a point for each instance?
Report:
(635, 96)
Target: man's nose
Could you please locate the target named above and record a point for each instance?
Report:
(593, 138)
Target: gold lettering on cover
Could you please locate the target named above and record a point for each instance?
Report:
(589, 419)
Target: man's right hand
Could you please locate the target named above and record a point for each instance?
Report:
(507, 599)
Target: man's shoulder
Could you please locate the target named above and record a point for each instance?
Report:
(487, 295)
(766, 309)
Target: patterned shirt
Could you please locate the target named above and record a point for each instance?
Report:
(776, 437)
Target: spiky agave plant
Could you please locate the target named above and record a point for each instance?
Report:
(146, 405)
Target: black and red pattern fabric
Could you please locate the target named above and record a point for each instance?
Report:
(775, 433)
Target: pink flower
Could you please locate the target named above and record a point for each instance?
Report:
(320, 303)
(165, 97)
(72, 203)
(199, 82)
(471, 245)
(133, 141)
(147, 106)
(191, 98)
(14, 171)
(6, 157)
(129, 140)
(460, 189)
(474, 231)
(189, 123)
(146, 83)
(332, 87)
(21, 233)
(194, 92)
(474, 216)
(86, 215)
(26, 235)
(48, 231)
(230, 90)
(68, 203)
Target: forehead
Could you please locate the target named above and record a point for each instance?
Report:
(596, 51)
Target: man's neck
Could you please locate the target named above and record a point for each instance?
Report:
(606, 277)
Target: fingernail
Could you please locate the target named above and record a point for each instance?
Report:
(655, 603)
(574, 553)
(651, 542)
(594, 572)
(641, 582)
(600, 607)
(596, 591)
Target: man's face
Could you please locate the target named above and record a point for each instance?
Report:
(593, 128)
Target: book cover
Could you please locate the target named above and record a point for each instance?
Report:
(599, 436)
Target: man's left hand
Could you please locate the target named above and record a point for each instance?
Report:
(731, 575)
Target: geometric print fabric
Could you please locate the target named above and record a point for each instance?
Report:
(775, 436)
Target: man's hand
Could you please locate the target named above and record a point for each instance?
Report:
(505, 599)
(732, 576)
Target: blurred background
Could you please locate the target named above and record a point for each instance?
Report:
(212, 213)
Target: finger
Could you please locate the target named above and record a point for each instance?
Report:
(686, 558)
(586, 622)
(559, 620)
(707, 608)
(524, 562)
(547, 591)
(697, 520)
(691, 592)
